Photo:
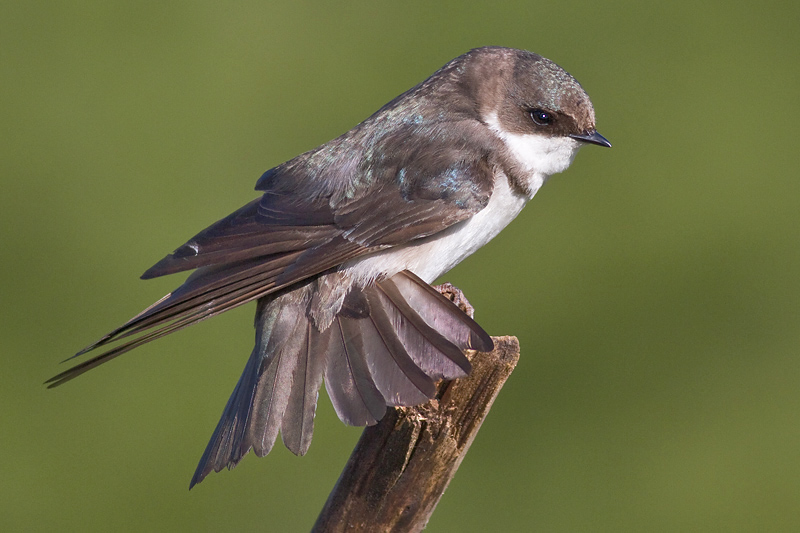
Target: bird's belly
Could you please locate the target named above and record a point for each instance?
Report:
(432, 256)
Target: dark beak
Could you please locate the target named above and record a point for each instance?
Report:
(592, 137)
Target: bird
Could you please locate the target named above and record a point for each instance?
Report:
(341, 246)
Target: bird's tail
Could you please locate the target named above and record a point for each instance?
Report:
(385, 347)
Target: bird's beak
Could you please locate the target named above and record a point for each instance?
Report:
(592, 137)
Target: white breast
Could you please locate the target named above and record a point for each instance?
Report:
(431, 257)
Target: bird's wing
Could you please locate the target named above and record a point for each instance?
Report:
(408, 189)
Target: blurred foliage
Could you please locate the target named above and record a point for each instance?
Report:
(654, 286)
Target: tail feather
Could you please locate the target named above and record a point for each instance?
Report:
(298, 419)
(223, 449)
(356, 399)
(425, 345)
(252, 416)
(286, 329)
(399, 379)
(385, 347)
(457, 326)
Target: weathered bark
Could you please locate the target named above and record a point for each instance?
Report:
(401, 467)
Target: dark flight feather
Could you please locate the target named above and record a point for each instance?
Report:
(359, 227)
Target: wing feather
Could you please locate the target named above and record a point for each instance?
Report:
(310, 220)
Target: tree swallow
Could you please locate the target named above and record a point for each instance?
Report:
(340, 248)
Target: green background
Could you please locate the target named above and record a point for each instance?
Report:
(653, 287)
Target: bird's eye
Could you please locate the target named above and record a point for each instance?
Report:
(541, 117)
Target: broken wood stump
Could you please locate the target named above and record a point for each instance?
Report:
(401, 467)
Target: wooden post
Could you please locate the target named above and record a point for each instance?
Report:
(401, 467)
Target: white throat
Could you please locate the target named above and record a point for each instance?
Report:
(537, 155)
